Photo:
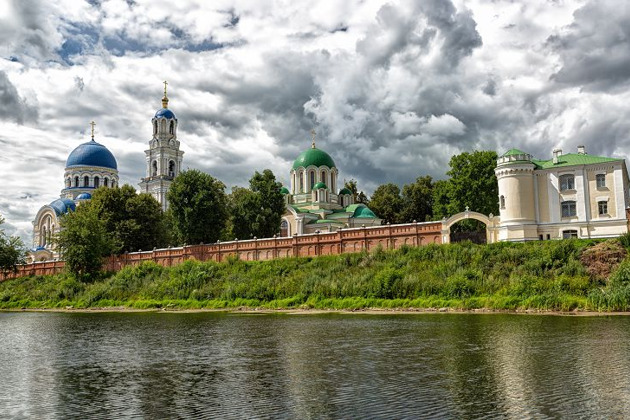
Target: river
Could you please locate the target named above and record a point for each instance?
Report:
(338, 366)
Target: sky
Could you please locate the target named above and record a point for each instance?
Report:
(393, 88)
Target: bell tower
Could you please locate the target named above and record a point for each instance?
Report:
(164, 159)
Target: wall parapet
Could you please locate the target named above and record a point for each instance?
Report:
(309, 245)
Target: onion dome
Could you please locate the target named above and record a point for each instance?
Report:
(284, 191)
(84, 196)
(319, 186)
(62, 206)
(92, 154)
(345, 191)
(313, 157)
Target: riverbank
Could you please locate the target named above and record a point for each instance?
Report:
(556, 276)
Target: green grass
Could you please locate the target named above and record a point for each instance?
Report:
(544, 275)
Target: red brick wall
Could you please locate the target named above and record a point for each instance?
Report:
(342, 241)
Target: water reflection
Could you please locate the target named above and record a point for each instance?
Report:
(164, 365)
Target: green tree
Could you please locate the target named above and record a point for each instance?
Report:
(387, 203)
(198, 204)
(441, 199)
(256, 211)
(135, 221)
(12, 251)
(473, 183)
(417, 200)
(84, 241)
(359, 196)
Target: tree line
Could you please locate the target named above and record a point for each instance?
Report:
(471, 183)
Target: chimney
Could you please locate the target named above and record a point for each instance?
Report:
(581, 150)
(556, 155)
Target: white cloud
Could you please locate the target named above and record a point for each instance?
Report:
(393, 87)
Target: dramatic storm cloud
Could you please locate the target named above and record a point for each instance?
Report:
(393, 88)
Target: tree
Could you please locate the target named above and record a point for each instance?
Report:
(387, 203)
(198, 205)
(135, 221)
(359, 197)
(473, 183)
(257, 211)
(83, 240)
(417, 200)
(12, 251)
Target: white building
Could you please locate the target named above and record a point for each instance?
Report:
(573, 195)
(164, 159)
(89, 166)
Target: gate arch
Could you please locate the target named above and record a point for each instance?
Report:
(490, 221)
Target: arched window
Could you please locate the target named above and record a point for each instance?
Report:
(171, 128)
(284, 228)
(154, 168)
(567, 182)
(293, 185)
(171, 168)
(42, 236)
(155, 127)
(76, 181)
(301, 182)
(322, 177)
(105, 182)
(332, 182)
(97, 182)
(312, 176)
(502, 201)
(86, 181)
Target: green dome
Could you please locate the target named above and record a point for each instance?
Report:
(284, 191)
(313, 157)
(345, 191)
(320, 185)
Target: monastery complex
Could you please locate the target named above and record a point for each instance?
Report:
(574, 195)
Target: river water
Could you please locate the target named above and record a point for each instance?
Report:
(339, 366)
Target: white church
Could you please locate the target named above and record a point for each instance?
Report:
(91, 165)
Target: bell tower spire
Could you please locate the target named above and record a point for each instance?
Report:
(164, 159)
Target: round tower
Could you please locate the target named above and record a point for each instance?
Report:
(515, 175)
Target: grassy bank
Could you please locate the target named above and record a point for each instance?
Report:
(545, 275)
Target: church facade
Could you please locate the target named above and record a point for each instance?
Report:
(313, 204)
(89, 166)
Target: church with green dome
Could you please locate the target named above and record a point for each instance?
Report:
(313, 204)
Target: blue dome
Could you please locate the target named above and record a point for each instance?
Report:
(165, 113)
(84, 196)
(62, 206)
(92, 154)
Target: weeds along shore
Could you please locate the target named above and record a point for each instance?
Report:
(562, 275)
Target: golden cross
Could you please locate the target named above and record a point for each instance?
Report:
(92, 123)
(313, 134)
(165, 83)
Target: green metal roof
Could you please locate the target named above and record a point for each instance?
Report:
(571, 159)
(345, 191)
(329, 221)
(284, 190)
(313, 157)
(320, 185)
(513, 152)
(360, 211)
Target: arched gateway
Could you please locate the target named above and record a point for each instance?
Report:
(491, 222)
